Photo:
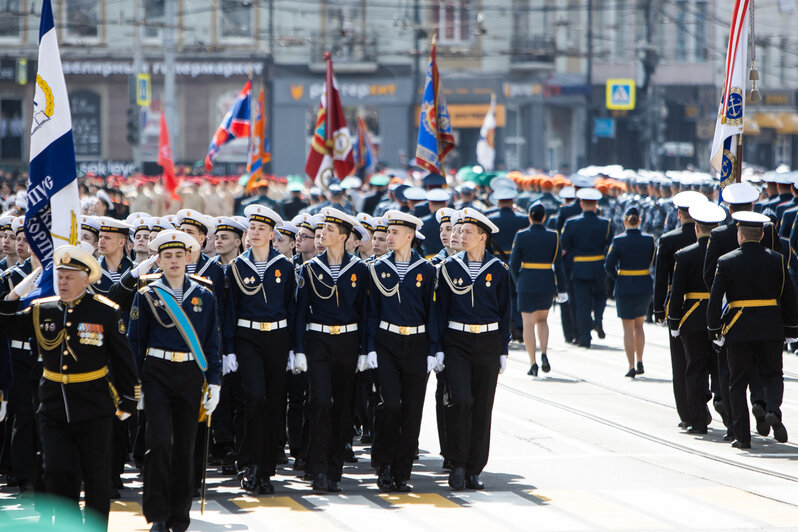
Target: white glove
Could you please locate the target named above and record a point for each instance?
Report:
(229, 363)
(140, 404)
(562, 297)
(300, 363)
(144, 267)
(3, 409)
(211, 399)
(27, 284)
(290, 366)
(122, 415)
(431, 364)
(790, 340)
(362, 363)
(720, 342)
(675, 332)
(439, 362)
(502, 364)
(371, 360)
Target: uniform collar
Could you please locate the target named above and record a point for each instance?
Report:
(75, 302)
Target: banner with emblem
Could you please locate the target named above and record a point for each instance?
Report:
(726, 156)
(234, 125)
(259, 152)
(435, 139)
(53, 211)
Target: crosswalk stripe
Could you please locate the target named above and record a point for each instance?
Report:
(246, 503)
(753, 506)
(426, 499)
(284, 513)
(430, 511)
(360, 514)
(517, 512)
(599, 510)
(127, 515)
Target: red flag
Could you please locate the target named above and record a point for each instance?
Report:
(166, 161)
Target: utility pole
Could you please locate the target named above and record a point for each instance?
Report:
(411, 137)
(170, 90)
(650, 110)
(269, 78)
(138, 68)
(589, 82)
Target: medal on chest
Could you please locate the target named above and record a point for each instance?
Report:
(90, 334)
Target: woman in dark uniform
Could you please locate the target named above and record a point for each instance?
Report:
(536, 267)
(629, 263)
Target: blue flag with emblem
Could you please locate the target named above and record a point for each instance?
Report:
(52, 214)
(183, 324)
(435, 139)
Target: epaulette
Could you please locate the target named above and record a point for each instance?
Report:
(202, 281)
(49, 299)
(105, 300)
(148, 278)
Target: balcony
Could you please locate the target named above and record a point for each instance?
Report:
(351, 52)
(532, 52)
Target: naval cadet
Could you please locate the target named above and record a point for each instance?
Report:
(113, 258)
(402, 343)
(669, 244)
(536, 267)
(329, 335)
(438, 198)
(585, 239)
(474, 305)
(257, 340)
(199, 226)
(761, 311)
(141, 237)
(629, 264)
(228, 240)
(507, 220)
(687, 317)
(90, 232)
(8, 240)
(88, 374)
(443, 220)
(174, 335)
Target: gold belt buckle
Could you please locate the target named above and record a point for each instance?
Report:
(335, 329)
(64, 378)
(266, 326)
(476, 329)
(404, 331)
(177, 357)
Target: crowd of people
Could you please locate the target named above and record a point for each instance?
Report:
(258, 314)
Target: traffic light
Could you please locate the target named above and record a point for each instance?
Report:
(133, 125)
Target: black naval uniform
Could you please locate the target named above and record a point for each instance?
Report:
(669, 244)
(331, 319)
(172, 386)
(762, 309)
(403, 331)
(257, 329)
(88, 374)
(475, 315)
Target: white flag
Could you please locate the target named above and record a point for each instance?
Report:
(486, 150)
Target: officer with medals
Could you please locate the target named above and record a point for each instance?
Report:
(474, 310)
(257, 336)
(761, 309)
(687, 316)
(174, 334)
(402, 342)
(330, 334)
(585, 239)
(536, 267)
(199, 226)
(669, 244)
(88, 374)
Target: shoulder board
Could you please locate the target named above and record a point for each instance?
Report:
(105, 300)
(202, 281)
(50, 299)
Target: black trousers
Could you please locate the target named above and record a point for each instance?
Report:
(332, 360)
(762, 358)
(24, 436)
(472, 370)
(699, 358)
(297, 393)
(227, 423)
(120, 446)
(172, 395)
(402, 373)
(441, 399)
(262, 357)
(590, 299)
(75, 451)
(679, 371)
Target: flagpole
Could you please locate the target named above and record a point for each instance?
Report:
(436, 83)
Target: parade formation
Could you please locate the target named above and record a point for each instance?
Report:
(175, 325)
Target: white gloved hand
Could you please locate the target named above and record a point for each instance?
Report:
(719, 342)
(300, 363)
(27, 284)
(431, 364)
(211, 399)
(122, 415)
(290, 366)
(3, 410)
(143, 267)
(140, 404)
(562, 297)
(502, 364)
(790, 340)
(371, 360)
(439, 362)
(232, 363)
(362, 363)
(675, 333)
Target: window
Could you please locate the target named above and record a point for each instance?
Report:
(701, 31)
(236, 20)
(10, 20)
(681, 30)
(11, 129)
(453, 20)
(82, 20)
(154, 11)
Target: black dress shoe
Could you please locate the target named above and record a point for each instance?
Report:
(250, 480)
(533, 370)
(349, 454)
(333, 486)
(586, 345)
(737, 444)
(385, 478)
(472, 482)
(299, 464)
(447, 464)
(683, 424)
(457, 478)
(600, 331)
(779, 430)
(159, 526)
(762, 426)
(228, 459)
(544, 363)
(631, 373)
(281, 459)
(367, 437)
(720, 408)
(708, 415)
(697, 430)
(320, 483)
(728, 436)
(265, 486)
(640, 369)
(402, 486)
(229, 470)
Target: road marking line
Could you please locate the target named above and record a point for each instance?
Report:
(414, 499)
(599, 510)
(245, 503)
(750, 505)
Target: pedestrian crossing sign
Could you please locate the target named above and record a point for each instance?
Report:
(620, 93)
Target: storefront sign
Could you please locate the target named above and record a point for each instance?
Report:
(301, 91)
(471, 115)
(193, 69)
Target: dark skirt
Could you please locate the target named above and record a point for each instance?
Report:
(532, 302)
(631, 307)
